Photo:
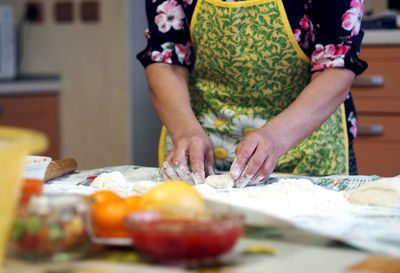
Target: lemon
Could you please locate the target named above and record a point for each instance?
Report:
(174, 198)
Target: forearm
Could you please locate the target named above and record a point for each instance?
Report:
(311, 109)
(169, 93)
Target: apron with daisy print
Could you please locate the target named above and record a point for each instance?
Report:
(248, 69)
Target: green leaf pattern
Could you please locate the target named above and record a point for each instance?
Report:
(246, 66)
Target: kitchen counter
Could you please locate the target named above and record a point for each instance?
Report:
(290, 257)
(382, 37)
(29, 85)
(296, 250)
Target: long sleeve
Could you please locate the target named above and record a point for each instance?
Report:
(168, 37)
(338, 34)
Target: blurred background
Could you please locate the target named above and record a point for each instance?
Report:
(68, 68)
(77, 78)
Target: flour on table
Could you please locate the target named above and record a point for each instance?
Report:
(220, 181)
(110, 181)
(206, 190)
(286, 198)
(384, 192)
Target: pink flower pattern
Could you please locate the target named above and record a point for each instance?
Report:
(354, 124)
(351, 19)
(170, 14)
(183, 53)
(165, 56)
(308, 27)
(328, 56)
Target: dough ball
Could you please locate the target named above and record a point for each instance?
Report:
(384, 192)
(110, 181)
(141, 187)
(221, 181)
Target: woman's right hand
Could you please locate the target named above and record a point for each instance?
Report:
(191, 159)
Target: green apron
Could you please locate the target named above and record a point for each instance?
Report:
(248, 69)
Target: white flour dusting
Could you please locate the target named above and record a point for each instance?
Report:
(286, 198)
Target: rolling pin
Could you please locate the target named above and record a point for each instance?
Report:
(58, 168)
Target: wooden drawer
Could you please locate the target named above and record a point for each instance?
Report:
(377, 98)
(377, 148)
(38, 112)
(378, 89)
(372, 128)
(378, 158)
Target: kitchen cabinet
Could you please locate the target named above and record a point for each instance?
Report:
(32, 105)
(377, 98)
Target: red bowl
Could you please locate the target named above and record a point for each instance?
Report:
(181, 239)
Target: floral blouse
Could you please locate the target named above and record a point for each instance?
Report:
(328, 31)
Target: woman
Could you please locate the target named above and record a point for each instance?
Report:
(254, 85)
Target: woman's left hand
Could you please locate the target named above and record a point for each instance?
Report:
(256, 157)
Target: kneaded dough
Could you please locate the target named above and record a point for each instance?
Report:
(141, 187)
(220, 181)
(110, 181)
(384, 192)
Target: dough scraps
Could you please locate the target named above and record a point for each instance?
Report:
(384, 192)
(220, 181)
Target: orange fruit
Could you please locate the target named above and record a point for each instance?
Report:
(174, 198)
(105, 196)
(108, 218)
(132, 203)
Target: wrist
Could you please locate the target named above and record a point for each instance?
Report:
(187, 131)
(278, 140)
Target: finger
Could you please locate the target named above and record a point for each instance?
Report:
(264, 172)
(209, 170)
(180, 163)
(170, 171)
(196, 157)
(180, 155)
(163, 168)
(254, 164)
(243, 153)
(197, 179)
(209, 163)
(183, 172)
(163, 173)
(169, 157)
(256, 181)
(256, 161)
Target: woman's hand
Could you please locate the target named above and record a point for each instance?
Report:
(256, 157)
(191, 159)
(257, 154)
